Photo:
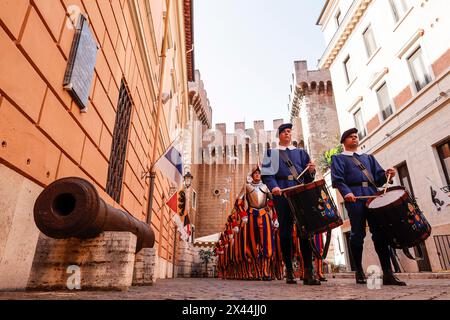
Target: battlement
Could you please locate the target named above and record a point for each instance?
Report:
(310, 81)
(198, 98)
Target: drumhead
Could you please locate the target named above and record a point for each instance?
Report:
(385, 199)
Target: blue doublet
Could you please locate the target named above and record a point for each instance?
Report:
(344, 174)
(348, 178)
(274, 173)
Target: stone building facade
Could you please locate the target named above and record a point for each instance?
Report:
(200, 117)
(389, 62)
(44, 134)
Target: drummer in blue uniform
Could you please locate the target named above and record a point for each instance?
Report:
(352, 180)
(277, 175)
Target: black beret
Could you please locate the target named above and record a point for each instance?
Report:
(284, 126)
(347, 133)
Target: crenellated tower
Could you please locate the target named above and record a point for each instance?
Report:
(313, 110)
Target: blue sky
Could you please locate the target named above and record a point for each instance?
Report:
(245, 51)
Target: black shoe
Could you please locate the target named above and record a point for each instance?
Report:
(290, 279)
(309, 279)
(323, 279)
(360, 277)
(389, 279)
(267, 278)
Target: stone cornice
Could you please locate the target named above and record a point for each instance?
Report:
(189, 36)
(341, 36)
(419, 33)
(377, 77)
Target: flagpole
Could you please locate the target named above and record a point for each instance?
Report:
(158, 115)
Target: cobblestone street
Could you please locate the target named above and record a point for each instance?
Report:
(218, 289)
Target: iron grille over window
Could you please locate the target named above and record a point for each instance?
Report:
(119, 144)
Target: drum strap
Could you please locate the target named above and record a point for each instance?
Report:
(419, 256)
(325, 247)
(364, 170)
(289, 164)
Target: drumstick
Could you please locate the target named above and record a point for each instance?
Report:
(299, 176)
(303, 172)
(388, 179)
(366, 197)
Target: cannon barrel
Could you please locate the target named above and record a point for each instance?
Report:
(71, 207)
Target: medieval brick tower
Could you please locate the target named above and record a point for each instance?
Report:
(313, 110)
(227, 160)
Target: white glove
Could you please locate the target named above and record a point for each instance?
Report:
(245, 219)
(276, 224)
(230, 236)
(236, 229)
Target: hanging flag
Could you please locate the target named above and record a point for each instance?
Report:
(439, 198)
(171, 165)
(187, 225)
(172, 203)
(181, 204)
(177, 203)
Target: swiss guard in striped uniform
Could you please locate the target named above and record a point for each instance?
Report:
(259, 223)
(277, 258)
(318, 263)
(297, 253)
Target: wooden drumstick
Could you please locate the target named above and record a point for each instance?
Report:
(303, 172)
(366, 197)
(298, 177)
(388, 179)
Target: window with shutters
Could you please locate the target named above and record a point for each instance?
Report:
(444, 156)
(369, 41)
(384, 101)
(419, 69)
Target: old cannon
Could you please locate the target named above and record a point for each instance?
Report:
(72, 207)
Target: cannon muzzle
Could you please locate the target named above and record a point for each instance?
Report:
(71, 207)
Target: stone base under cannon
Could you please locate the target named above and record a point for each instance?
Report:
(144, 267)
(102, 263)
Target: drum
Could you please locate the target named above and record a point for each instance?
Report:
(313, 208)
(397, 214)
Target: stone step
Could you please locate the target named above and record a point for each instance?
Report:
(406, 275)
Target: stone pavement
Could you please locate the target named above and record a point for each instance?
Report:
(211, 289)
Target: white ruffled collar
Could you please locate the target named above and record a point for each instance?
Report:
(284, 148)
(350, 153)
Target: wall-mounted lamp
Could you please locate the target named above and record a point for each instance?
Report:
(188, 180)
